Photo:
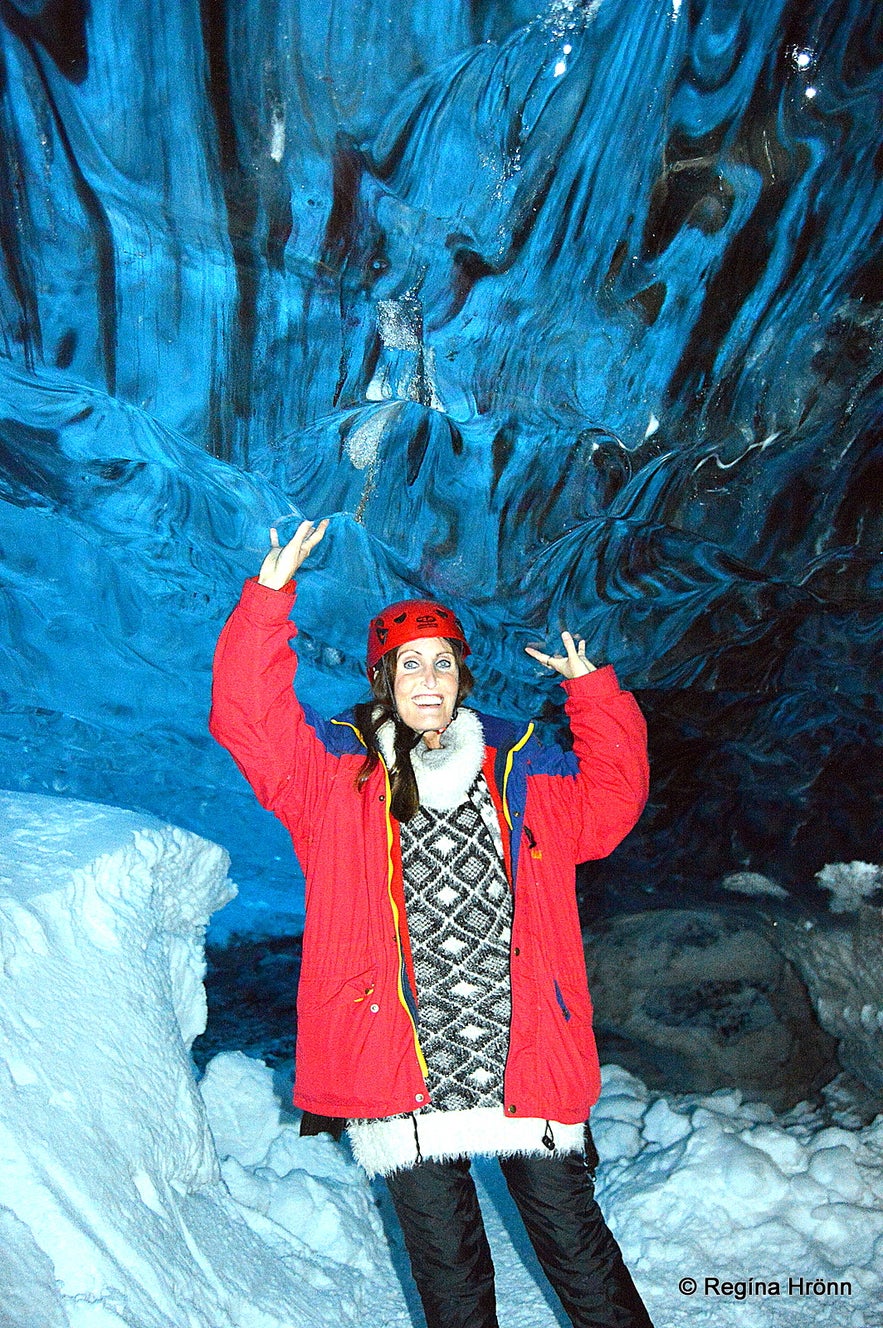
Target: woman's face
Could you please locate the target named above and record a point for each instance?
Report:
(427, 679)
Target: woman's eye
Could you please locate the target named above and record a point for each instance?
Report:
(443, 664)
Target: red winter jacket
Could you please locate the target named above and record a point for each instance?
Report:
(358, 1045)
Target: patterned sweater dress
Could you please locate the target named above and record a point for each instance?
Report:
(459, 910)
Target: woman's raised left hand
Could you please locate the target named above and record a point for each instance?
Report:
(572, 664)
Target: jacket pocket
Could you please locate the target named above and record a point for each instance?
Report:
(574, 1012)
(562, 1004)
(319, 993)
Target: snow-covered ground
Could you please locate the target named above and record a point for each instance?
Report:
(133, 1196)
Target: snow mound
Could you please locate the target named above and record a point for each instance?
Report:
(785, 1211)
(309, 1187)
(113, 1210)
(841, 961)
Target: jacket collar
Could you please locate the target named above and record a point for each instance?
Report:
(444, 776)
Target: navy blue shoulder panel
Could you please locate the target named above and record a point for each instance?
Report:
(503, 736)
(499, 733)
(541, 760)
(550, 760)
(339, 736)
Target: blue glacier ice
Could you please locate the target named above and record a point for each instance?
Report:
(569, 314)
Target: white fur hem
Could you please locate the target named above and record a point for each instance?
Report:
(382, 1146)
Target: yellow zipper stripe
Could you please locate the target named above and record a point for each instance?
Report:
(508, 770)
(421, 1059)
(345, 724)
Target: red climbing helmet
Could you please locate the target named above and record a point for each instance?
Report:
(409, 620)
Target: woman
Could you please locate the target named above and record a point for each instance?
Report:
(442, 1006)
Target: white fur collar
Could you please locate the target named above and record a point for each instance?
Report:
(444, 776)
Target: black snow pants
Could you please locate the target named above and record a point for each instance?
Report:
(438, 1210)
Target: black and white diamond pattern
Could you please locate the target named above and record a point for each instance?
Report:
(459, 920)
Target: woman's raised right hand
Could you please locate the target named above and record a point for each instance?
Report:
(282, 562)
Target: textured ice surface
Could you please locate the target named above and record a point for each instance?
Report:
(567, 313)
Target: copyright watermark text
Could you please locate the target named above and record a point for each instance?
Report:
(747, 1287)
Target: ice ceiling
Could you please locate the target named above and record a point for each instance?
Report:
(569, 316)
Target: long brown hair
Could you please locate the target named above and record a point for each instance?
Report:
(371, 715)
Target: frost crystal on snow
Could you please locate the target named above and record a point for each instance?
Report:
(850, 883)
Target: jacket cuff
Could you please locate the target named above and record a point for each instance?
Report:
(264, 605)
(594, 686)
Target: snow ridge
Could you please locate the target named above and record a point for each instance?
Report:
(112, 1208)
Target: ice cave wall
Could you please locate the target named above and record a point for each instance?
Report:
(570, 314)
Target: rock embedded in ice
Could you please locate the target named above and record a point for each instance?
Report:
(752, 883)
(703, 999)
(841, 962)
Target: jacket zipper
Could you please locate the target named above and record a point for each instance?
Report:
(507, 770)
(421, 1059)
